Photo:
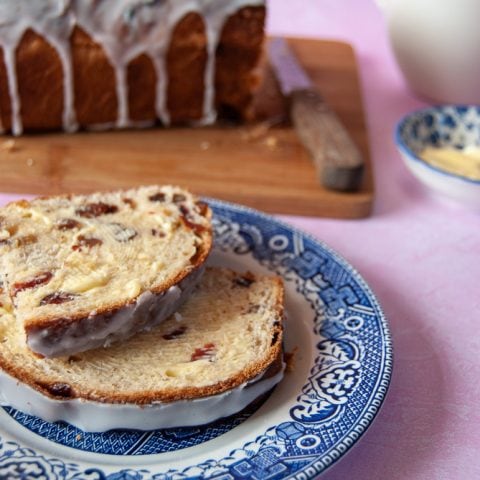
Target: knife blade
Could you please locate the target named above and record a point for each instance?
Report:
(338, 161)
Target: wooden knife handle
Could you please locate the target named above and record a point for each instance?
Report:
(338, 162)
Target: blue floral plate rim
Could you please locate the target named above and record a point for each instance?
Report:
(343, 388)
(404, 148)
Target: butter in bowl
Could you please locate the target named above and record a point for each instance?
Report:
(441, 147)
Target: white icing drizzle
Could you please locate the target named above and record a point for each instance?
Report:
(94, 416)
(69, 117)
(9, 55)
(161, 90)
(53, 20)
(94, 331)
(9, 36)
(125, 29)
(158, 51)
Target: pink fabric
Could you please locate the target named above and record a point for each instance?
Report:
(422, 258)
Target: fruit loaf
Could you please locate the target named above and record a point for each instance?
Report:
(218, 353)
(86, 270)
(126, 63)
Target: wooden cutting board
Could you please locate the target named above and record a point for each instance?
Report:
(259, 165)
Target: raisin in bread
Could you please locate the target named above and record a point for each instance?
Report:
(218, 353)
(120, 63)
(83, 271)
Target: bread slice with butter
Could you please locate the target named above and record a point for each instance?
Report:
(216, 355)
(83, 271)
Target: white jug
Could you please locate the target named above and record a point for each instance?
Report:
(437, 47)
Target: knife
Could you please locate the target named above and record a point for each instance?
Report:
(338, 161)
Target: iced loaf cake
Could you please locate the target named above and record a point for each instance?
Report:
(119, 63)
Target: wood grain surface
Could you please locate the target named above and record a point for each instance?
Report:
(262, 165)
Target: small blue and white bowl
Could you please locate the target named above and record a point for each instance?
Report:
(452, 126)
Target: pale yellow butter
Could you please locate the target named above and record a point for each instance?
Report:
(465, 161)
(81, 284)
(133, 288)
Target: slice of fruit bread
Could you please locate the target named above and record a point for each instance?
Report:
(212, 358)
(86, 270)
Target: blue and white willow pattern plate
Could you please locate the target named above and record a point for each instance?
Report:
(453, 126)
(341, 371)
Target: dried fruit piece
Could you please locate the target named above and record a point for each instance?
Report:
(63, 390)
(87, 242)
(56, 298)
(206, 352)
(178, 197)
(22, 203)
(186, 216)
(185, 211)
(26, 240)
(39, 279)
(92, 210)
(243, 281)
(178, 332)
(157, 197)
(129, 201)
(68, 224)
(158, 233)
(202, 208)
(8, 231)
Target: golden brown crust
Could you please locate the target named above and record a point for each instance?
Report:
(186, 60)
(94, 85)
(272, 357)
(48, 388)
(237, 56)
(41, 77)
(141, 95)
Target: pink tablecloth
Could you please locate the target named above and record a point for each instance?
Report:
(421, 257)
